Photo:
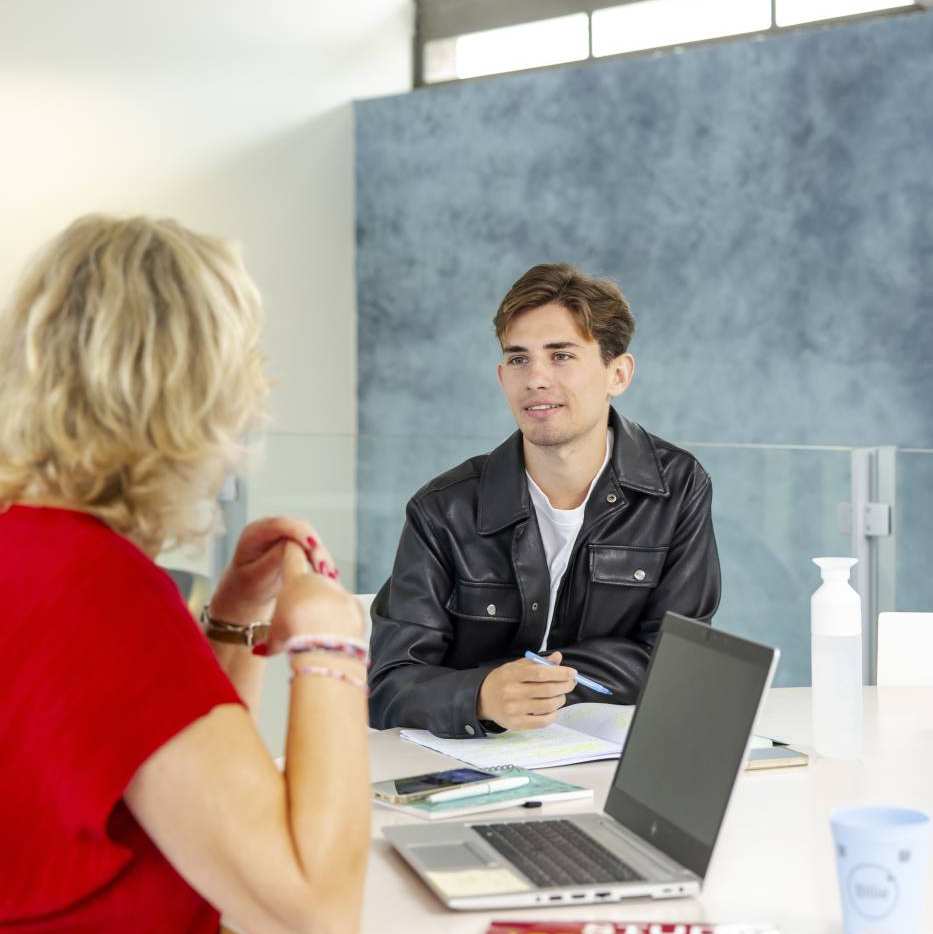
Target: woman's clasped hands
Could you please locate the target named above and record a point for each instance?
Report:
(282, 573)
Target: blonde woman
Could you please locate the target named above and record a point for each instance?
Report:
(135, 792)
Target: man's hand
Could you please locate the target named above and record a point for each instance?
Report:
(253, 579)
(522, 695)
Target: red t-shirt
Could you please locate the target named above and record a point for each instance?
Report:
(102, 664)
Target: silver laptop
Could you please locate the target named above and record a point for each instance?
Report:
(682, 756)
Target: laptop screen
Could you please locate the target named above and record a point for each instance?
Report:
(688, 738)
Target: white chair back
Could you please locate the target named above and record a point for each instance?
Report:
(905, 649)
(366, 601)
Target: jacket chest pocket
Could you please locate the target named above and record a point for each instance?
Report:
(486, 619)
(495, 602)
(621, 579)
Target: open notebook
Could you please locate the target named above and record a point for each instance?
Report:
(582, 733)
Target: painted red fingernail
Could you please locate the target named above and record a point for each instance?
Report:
(261, 649)
(312, 541)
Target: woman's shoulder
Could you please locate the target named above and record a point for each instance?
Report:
(66, 551)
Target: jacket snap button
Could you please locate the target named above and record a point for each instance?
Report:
(534, 606)
(611, 498)
(491, 609)
(639, 575)
(469, 730)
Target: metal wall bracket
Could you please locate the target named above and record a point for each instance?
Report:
(876, 519)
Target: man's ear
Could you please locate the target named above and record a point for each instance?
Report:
(499, 375)
(622, 372)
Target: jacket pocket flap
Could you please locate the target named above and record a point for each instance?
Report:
(628, 565)
(492, 601)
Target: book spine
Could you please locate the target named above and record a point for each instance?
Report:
(625, 927)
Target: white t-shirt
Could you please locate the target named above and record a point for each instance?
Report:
(559, 530)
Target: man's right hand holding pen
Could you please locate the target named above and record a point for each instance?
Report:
(523, 695)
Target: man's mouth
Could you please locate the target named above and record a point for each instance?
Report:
(543, 407)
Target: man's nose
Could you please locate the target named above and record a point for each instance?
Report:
(538, 374)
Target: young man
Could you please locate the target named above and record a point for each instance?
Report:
(572, 538)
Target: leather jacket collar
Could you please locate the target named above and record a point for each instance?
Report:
(503, 492)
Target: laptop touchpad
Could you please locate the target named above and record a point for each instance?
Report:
(448, 856)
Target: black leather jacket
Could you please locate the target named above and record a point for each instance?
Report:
(470, 587)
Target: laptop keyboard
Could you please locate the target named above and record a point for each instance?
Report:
(555, 853)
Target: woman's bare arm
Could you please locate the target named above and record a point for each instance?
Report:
(274, 852)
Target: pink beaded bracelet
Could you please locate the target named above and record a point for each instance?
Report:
(354, 648)
(332, 673)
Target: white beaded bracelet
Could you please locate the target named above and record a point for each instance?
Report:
(355, 648)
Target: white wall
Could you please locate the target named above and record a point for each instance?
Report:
(234, 117)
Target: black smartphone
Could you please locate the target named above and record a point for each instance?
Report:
(415, 787)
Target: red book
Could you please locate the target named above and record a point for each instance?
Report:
(625, 927)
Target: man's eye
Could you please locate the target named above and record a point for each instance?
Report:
(560, 355)
(517, 361)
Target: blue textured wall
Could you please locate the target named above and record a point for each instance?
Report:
(767, 207)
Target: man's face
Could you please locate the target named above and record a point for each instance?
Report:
(554, 378)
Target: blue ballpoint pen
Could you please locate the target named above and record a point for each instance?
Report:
(581, 679)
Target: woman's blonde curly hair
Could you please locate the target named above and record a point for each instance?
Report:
(130, 370)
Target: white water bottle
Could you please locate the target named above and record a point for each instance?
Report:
(836, 662)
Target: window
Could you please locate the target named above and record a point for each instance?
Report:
(511, 48)
(467, 38)
(653, 23)
(791, 12)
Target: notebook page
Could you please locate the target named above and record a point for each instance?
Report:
(607, 721)
(611, 722)
(526, 749)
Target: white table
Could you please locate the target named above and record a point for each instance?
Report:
(774, 858)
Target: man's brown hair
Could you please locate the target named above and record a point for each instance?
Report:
(597, 305)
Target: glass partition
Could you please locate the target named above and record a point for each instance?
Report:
(774, 508)
(913, 527)
(310, 477)
(392, 468)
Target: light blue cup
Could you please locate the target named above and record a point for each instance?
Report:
(882, 855)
